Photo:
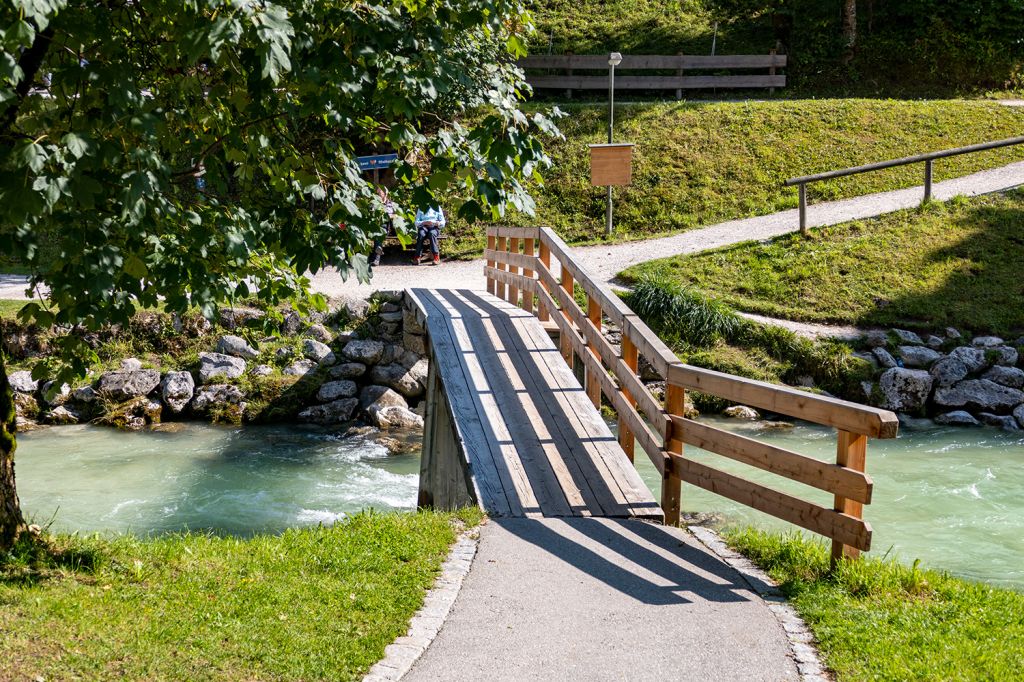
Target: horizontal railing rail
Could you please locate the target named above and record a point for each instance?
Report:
(927, 159)
(570, 63)
(534, 269)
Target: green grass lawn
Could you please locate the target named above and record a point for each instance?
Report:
(701, 164)
(881, 620)
(955, 264)
(319, 603)
(9, 308)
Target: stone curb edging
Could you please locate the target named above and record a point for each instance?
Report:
(400, 655)
(801, 640)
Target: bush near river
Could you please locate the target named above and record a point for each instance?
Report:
(309, 604)
(877, 619)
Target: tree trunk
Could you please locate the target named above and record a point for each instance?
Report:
(849, 30)
(12, 523)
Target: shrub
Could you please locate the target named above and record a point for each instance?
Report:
(679, 313)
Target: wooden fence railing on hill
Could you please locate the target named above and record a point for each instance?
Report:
(678, 65)
(520, 270)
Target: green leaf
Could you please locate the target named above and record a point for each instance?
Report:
(77, 144)
(30, 154)
(135, 267)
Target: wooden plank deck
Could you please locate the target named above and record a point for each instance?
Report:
(532, 440)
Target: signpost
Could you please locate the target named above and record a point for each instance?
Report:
(376, 163)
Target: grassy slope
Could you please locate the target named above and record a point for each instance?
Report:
(9, 308)
(955, 264)
(700, 164)
(880, 620)
(319, 603)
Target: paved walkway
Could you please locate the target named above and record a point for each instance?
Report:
(601, 599)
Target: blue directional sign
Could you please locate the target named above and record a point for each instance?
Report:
(377, 162)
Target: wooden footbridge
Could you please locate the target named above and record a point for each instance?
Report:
(511, 426)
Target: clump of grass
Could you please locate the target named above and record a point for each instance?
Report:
(881, 619)
(680, 313)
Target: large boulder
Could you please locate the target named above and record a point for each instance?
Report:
(907, 337)
(918, 356)
(380, 396)
(237, 347)
(26, 406)
(934, 342)
(133, 415)
(1006, 376)
(213, 366)
(232, 318)
(300, 368)
(320, 333)
(1018, 413)
(742, 412)
(884, 357)
(125, 385)
(394, 417)
(54, 395)
(22, 382)
(987, 341)
(335, 390)
(334, 412)
(948, 371)
(979, 394)
(62, 416)
(973, 358)
(366, 352)
(216, 398)
(318, 352)
(1004, 355)
(957, 418)
(177, 389)
(348, 370)
(1004, 422)
(411, 383)
(131, 364)
(905, 390)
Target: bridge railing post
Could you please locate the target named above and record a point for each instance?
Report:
(565, 343)
(513, 291)
(593, 381)
(630, 357)
(545, 259)
(851, 453)
(671, 484)
(500, 286)
(490, 263)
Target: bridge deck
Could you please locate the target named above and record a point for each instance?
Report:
(534, 443)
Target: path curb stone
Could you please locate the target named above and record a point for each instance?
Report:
(400, 655)
(801, 640)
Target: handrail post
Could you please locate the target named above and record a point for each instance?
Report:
(490, 263)
(630, 358)
(803, 208)
(593, 382)
(500, 286)
(513, 291)
(545, 259)
(927, 181)
(527, 295)
(671, 484)
(851, 452)
(564, 341)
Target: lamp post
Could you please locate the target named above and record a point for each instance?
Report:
(614, 59)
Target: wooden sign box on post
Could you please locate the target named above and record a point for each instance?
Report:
(611, 164)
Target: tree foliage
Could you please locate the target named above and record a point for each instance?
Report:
(186, 153)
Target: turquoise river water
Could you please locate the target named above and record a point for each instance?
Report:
(952, 497)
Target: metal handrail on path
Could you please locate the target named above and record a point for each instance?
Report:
(519, 270)
(927, 159)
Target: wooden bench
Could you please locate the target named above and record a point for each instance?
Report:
(678, 81)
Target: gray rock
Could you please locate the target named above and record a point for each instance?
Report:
(357, 308)
(905, 390)
(987, 341)
(741, 412)
(131, 364)
(177, 389)
(884, 357)
(236, 346)
(320, 333)
(318, 352)
(1006, 376)
(300, 368)
(410, 323)
(62, 415)
(1018, 413)
(348, 370)
(231, 318)
(291, 323)
(332, 413)
(953, 333)
(973, 358)
(868, 358)
(124, 385)
(1004, 422)
(1019, 343)
(22, 382)
(393, 353)
(395, 316)
(283, 354)
(394, 417)
(334, 390)
(390, 307)
(214, 366)
(216, 396)
(918, 356)
(380, 396)
(957, 418)
(416, 343)
(364, 351)
(1005, 355)
(54, 396)
(876, 338)
(979, 394)
(948, 371)
(26, 406)
(261, 371)
(908, 337)
(934, 342)
(409, 359)
(389, 330)
(408, 382)
(86, 395)
(389, 296)
(868, 389)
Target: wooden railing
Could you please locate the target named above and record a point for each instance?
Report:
(521, 269)
(677, 65)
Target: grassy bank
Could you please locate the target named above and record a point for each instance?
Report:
(319, 603)
(881, 620)
(701, 164)
(954, 264)
(9, 308)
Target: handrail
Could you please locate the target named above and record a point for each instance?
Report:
(802, 181)
(519, 270)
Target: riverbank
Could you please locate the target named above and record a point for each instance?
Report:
(317, 603)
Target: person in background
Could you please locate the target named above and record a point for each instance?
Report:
(429, 224)
(389, 227)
